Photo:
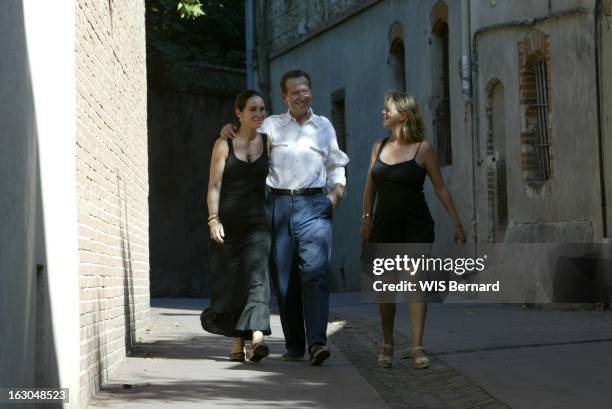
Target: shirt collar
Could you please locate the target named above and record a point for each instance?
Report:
(314, 119)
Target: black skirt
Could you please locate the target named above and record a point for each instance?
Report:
(240, 294)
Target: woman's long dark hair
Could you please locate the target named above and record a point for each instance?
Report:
(242, 98)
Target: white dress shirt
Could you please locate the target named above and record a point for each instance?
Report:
(304, 156)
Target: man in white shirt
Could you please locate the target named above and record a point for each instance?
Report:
(305, 183)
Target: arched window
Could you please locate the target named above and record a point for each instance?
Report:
(536, 132)
(396, 61)
(441, 83)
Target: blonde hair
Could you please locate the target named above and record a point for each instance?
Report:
(413, 128)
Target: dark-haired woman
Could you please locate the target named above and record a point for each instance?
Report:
(240, 235)
(398, 167)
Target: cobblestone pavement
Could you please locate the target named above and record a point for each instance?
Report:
(437, 387)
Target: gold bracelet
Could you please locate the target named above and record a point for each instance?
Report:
(212, 216)
(213, 221)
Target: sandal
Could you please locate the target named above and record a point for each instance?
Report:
(386, 356)
(259, 352)
(420, 362)
(237, 356)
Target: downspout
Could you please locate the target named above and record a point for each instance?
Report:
(263, 54)
(598, 76)
(249, 22)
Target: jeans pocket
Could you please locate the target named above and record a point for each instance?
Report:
(328, 206)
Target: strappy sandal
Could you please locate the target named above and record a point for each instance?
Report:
(420, 362)
(237, 356)
(259, 352)
(385, 357)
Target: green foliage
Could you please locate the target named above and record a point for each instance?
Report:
(214, 37)
(190, 9)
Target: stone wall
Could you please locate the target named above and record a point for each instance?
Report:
(112, 184)
(563, 38)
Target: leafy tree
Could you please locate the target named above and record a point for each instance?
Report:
(209, 32)
(190, 9)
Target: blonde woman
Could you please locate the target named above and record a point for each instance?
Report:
(397, 171)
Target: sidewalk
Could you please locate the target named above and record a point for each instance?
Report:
(483, 356)
(179, 365)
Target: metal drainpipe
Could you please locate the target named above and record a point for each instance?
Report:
(602, 181)
(263, 54)
(248, 5)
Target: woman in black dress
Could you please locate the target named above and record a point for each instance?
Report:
(240, 235)
(398, 166)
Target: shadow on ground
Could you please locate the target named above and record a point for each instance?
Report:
(180, 365)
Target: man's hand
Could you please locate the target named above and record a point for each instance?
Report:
(229, 131)
(335, 195)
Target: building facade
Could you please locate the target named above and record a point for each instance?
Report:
(515, 96)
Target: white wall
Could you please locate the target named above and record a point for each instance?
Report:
(38, 197)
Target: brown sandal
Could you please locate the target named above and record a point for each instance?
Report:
(237, 356)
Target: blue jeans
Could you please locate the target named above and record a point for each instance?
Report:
(299, 267)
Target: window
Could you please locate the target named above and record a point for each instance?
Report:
(441, 83)
(396, 61)
(497, 186)
(338, 117)
(535, 97)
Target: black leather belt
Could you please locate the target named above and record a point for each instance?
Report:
(296, 192)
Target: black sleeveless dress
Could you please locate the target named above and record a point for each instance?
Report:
(240, 292)
(401, 214)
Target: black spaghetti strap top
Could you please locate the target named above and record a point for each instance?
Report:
(242, 200)
(401, 214)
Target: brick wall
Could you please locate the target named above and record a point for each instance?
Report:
(289, 20)
(112, 183)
